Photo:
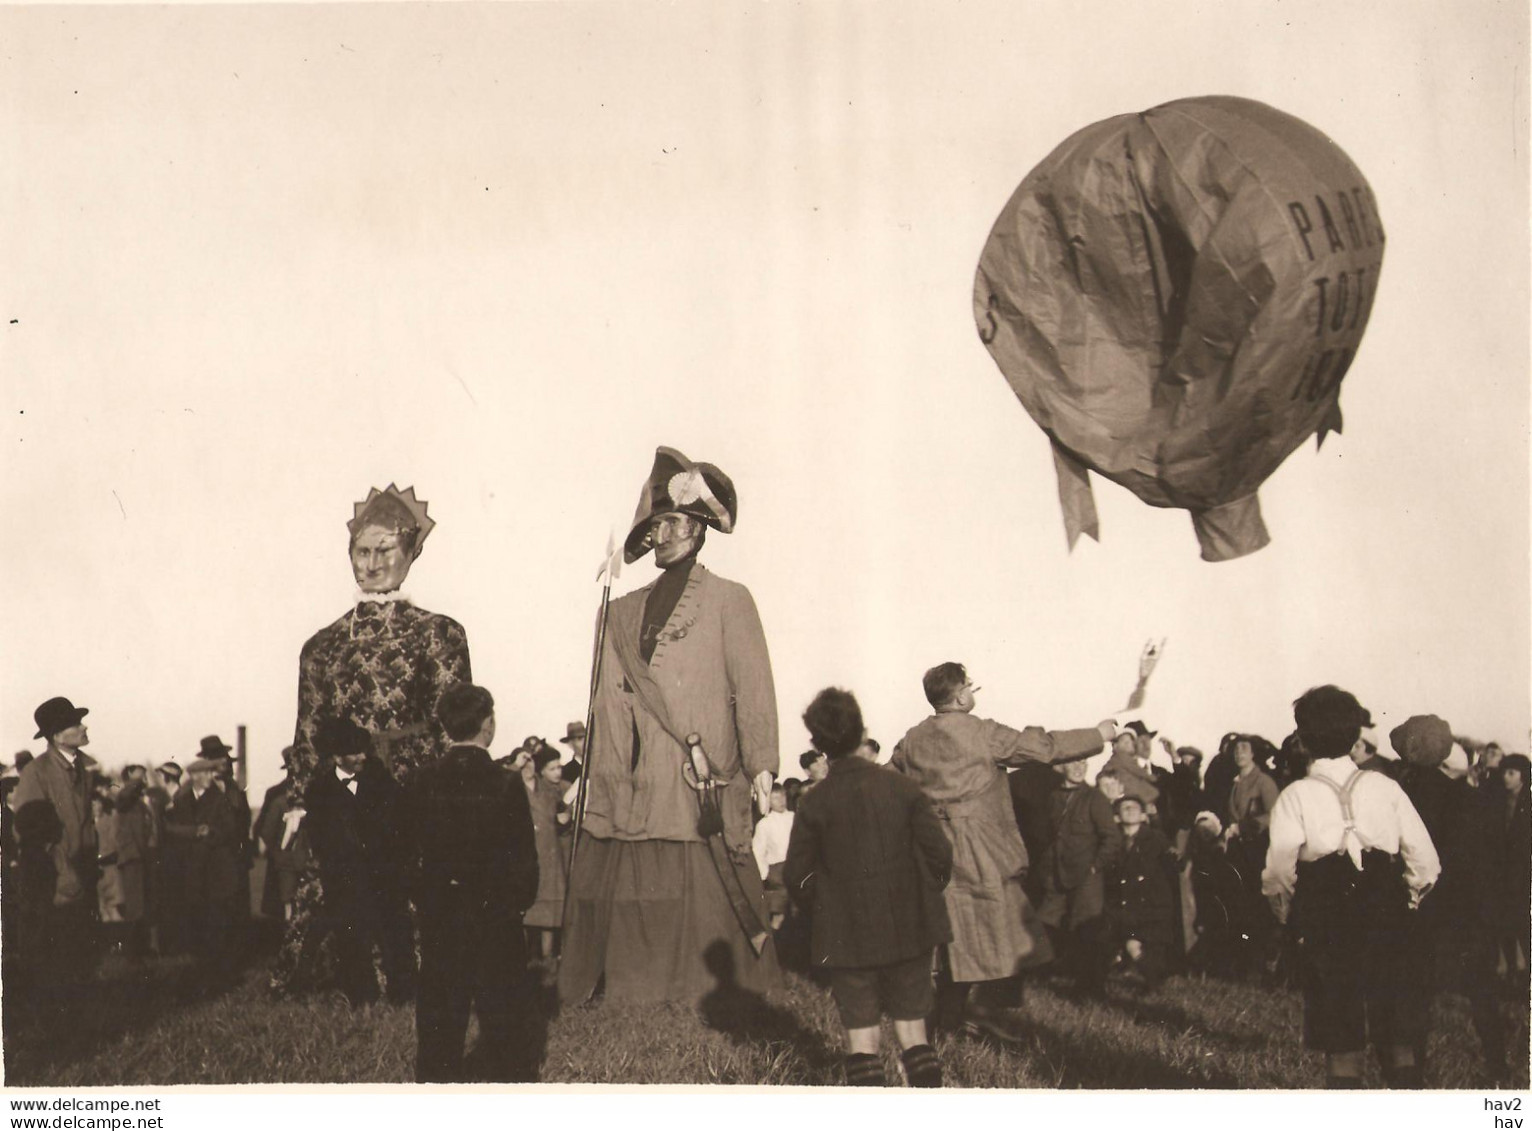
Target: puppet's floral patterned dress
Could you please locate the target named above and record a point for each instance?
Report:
(383, 665)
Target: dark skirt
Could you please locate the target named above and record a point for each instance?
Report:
(1352, 927)
(653, 918)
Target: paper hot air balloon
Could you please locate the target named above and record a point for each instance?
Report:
(1175, 297)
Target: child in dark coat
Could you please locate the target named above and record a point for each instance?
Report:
(472, 852)
(1141, 894)
(870, 860)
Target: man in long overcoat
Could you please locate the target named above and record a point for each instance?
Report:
(1086, 844)
(203, 835)
(649, 892)
(58, 849)
(958, 759)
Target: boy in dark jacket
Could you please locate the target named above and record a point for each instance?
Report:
(470, 847)
(869, 858)
(1141, 894)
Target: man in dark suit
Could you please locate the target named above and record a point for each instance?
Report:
(203, 835)
(351, 829)
(472, 855)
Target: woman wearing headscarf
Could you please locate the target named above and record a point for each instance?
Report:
(382, 665)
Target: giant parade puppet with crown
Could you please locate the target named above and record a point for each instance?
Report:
(665, 899)
(382, 666)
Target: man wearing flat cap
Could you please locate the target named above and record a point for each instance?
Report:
(654, 889)
(1449, 941)
(57, 835)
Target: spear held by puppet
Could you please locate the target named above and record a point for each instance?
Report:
(610, 569)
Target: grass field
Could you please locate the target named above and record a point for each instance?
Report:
(141, 1027)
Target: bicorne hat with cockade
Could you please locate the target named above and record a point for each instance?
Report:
(676, 485)
(392, 509)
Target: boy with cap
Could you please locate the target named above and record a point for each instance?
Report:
(869, 856)
(57, 838)
(472, 855)
(1141, 887)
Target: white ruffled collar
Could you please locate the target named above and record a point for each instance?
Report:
(394, 596)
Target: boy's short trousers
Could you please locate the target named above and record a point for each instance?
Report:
(902, 990)
(1352, 927)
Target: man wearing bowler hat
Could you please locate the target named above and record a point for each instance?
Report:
(663, 904)
(57, 834)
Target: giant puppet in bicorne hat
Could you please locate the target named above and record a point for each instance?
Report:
(663, 870)
(676, 485)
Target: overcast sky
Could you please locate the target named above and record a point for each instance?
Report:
(258, 261)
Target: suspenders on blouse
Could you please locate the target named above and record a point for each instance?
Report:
(1348, 815)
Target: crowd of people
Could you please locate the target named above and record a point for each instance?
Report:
(136, 862)
(1370, 883)
(663, 856)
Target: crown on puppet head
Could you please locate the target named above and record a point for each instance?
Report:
(392, 509)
